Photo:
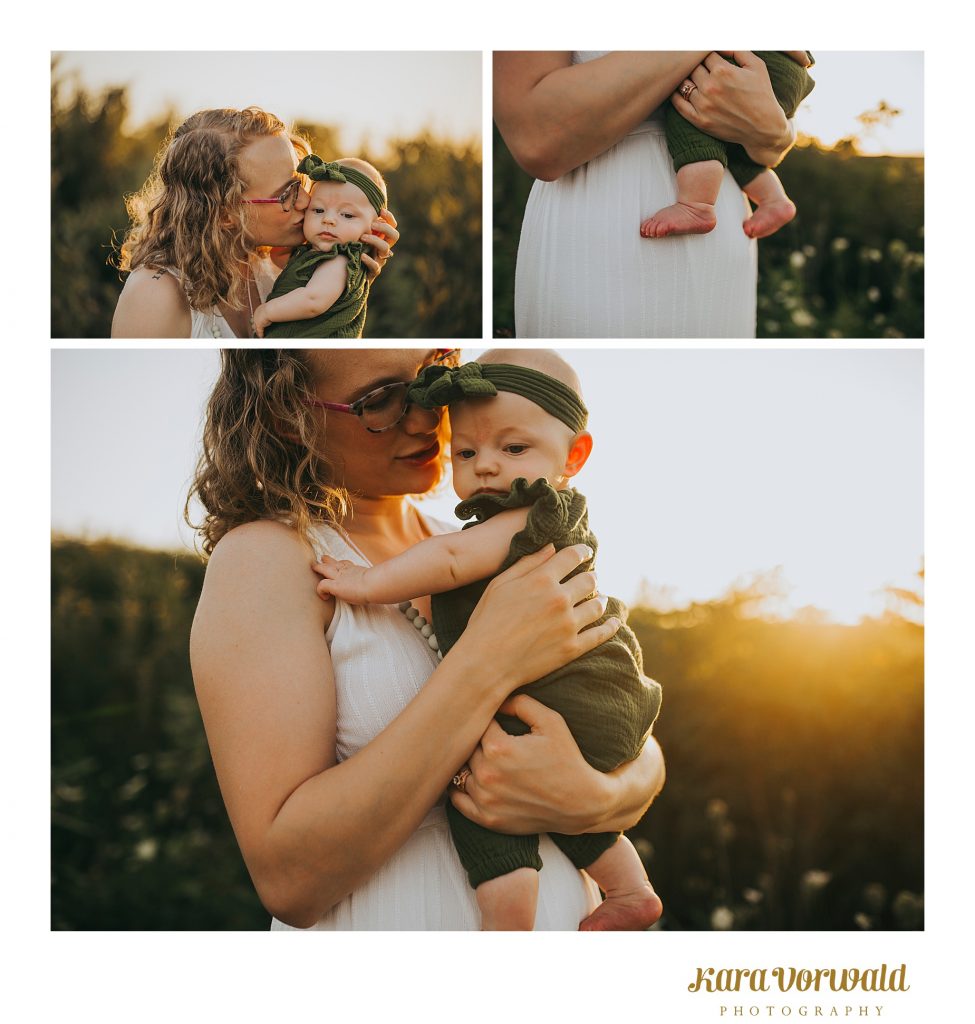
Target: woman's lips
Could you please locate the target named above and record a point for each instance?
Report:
(422, 457)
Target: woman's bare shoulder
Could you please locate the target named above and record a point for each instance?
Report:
(262, 572)
(152, 305)
(265, 543)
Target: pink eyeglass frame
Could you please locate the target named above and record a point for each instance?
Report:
(355, 408)
(294, 188)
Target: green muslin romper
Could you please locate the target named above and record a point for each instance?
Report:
(346, 317)
(603, 696)
(687, 144)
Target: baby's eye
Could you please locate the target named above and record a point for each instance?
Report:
(349, 216)
(465, 453)
(318, 210)
(516, 449)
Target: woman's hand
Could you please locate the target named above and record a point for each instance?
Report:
(736, 104)
(801, 57)
(530, 622)
(540, 782)
(382, 239)
(527, 784)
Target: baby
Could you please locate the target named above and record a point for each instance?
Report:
(518, 435)
(322, 291)
(700, 160)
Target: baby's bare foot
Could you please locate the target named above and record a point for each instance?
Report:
(769, 217)
(680, 219)
(632, 911)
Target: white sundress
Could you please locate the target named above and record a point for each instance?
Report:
(583, 271)
(210, 323)
(380, 663)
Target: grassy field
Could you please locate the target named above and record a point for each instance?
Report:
(432, 290)
(794, 749)
(851, 264)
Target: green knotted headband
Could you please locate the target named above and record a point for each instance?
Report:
(441, 385)
(316, 169)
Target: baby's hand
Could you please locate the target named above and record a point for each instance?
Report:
(261, 319)
(344, 580)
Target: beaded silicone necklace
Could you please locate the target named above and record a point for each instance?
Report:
(420, 624)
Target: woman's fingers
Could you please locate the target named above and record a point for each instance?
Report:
(743, 58)
(564, 561)
(591, 611)
(380, 247)
(590, 639)
(530, 711)
(581, 586)
(801, 57)
(529, 563)
(386, 226)
(381, 240)
(685, 107)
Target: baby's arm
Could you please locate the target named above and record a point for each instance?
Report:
(321, 292)
(430, 567)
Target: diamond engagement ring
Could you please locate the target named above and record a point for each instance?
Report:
(686, 89)
(460, 779)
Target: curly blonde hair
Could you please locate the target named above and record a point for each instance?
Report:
(262, 445)
(189, 214)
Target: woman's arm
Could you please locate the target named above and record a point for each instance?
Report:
(322, 292)
(540, 782)
(151, 305)
(312, 830)
(736, 103)
(555, 115)
(433, 566)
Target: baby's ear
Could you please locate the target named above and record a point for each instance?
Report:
(579, 452)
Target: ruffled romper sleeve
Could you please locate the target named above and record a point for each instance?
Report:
(346, 317)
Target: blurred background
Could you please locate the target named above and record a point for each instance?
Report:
(851, 264)
(416, 116)
(760, 510)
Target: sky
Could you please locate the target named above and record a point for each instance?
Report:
(849, 83)
(709, 466)
(392, 94)
(405, 92)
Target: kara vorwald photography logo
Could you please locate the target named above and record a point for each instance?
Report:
(816, 984)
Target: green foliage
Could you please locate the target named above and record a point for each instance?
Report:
(431, 290)
(139, 835)
(794, 796)
(850, 265)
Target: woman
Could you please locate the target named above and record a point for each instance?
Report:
(589, 126)
(334, 730)
(213, 226)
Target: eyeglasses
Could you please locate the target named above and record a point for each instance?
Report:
(383, 408)
(286, 199)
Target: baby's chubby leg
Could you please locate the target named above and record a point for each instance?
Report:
(508, 902)
(698, 185)
(630, 904)
(773, 207)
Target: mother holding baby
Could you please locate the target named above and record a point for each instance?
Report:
(334, 729)
(589, 126)
(214, 225)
